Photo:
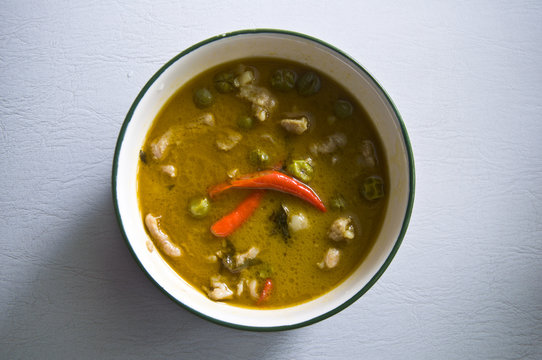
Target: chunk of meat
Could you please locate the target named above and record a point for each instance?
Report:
(330, 144)
(161, 237)
(367, 157)
(244, 78)
(228, 140)
(251, 254)
(207, 119)
(339, 139)
(219, 290)
(263, 103)
(169, 170)
(341, 229)
(253, 289)
(260, 113)
(297, 222)
(160, 145)
(240, 287)
(295, 126)
(235, 263)
(331, 259)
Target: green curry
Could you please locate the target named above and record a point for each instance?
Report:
(262, 183)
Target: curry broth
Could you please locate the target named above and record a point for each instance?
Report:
(200, 164)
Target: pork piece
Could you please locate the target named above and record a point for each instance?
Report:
(263, 103)
(235, 263)
(219, 290)
(251, 254)
(338, 139)
(330, 260)
(253, 289)
(240, 287)
(341, 229)
(295, 126)
(297, 222)
(367, 157)
(329, 145)
(160, 145)
(161, 237)
(244, 78)
(228, 140)
(207, 119)
(169, 170)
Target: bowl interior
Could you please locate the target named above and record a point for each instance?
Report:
(273, 45)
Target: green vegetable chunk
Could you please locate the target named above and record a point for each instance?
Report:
(342, 109)
(199, 207)
(283, 79)
(203, 98)
(373, 188)
(301, 169)
(258, 157)
(308, 84)
(338, 202)
(245, 122)
(224, 82)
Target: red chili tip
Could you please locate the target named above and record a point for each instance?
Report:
(232, 221)
(266, 291)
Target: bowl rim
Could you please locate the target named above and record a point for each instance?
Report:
(409, 154)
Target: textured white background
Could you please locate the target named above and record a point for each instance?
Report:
(467, 78)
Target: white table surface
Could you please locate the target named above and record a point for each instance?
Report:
(467, 79)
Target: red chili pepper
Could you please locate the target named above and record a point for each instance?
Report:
(229, 223)
(271, 180)
(266, 291)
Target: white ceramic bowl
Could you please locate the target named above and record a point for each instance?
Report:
(273, 44)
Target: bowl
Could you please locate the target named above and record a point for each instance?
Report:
(272, 44)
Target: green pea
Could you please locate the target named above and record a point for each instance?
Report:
(301, 169)
(308, 84)
(283, 79)
(342, 109)
(373, 188)
(245, 122)
(199, 207)
(203, 98)
(258, 157)
(224, 82)
(338, 202)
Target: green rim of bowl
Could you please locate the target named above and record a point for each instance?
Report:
(411, 179)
